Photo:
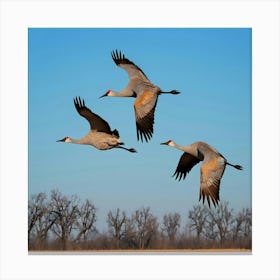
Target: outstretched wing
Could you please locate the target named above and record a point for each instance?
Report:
(96, 122)
(132, 69)
(144, 107)
(186, 163)
(211, 171)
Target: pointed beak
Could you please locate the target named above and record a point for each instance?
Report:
(164, 143)
(103, 95)
(61, 140)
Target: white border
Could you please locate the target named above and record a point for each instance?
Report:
(17, 16)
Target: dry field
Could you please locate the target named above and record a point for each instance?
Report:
(159, 251)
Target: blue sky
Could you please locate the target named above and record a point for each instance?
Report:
(211, 68)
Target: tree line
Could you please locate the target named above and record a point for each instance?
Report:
(61, 222)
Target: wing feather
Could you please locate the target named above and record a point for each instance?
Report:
(211, 173)
(132, 69)
(144, 107)
(186, 163)
(96, 122)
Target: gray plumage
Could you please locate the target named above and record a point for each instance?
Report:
(211, 170)
(144, 91)
(100, 135)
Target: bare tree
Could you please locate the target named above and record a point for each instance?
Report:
(247, 225)
(36, 209)
(145, 226)
(242, 228)
(210, 230)
(198, 217)
(116, 221)
(129, 239)
(220, 222)
(237, 225)
(40, 218)
(86, 218)
(67, 211)
(58, 222)
(171, 224)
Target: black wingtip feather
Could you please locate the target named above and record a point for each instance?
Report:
(213, 201)
(208, 200)
(78, 103)
(144, 133)
(116, 133)
(186, 163)
(119, 57)
(145, 127)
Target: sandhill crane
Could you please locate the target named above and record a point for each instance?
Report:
(100, 135)
(211, 170)
(145, 92)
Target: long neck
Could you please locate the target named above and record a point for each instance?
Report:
(123, 93)
(77, 141)
(188, 149)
